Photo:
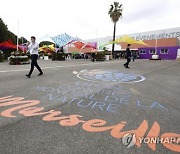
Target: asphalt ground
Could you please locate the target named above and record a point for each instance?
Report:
(80, 107)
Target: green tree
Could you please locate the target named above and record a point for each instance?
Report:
(22, 40)
(115, 12)
(5, 34)
(11, 36)
(3, 30)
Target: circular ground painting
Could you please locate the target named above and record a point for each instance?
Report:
(109, 76)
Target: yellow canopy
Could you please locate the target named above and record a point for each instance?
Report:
(128, 40)
(46, 48)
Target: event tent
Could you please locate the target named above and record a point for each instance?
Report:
(82, 45)
(9, 45)
(63, 39)
(44, 38)
(47, 48)
(126, 39)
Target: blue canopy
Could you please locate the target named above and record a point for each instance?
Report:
(63, 39)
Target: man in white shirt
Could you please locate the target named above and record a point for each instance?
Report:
(33, 49)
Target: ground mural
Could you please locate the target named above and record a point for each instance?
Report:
(101, 75)
(110, 99)
(106, 98)
(27, 108)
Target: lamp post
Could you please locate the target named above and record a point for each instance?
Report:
(18, 36)
(23, 43)
(156, 43)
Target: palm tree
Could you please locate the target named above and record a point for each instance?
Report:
(115, 12)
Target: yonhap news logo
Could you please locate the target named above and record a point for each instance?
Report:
(130, 140)
(157, 140)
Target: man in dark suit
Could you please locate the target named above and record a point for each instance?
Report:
(128, 56)
(93, 55)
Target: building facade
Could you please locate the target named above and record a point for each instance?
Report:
(165, 43)
(145, 36)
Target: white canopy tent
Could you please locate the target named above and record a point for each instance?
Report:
(44, 38)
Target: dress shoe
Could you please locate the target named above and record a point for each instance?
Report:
(28, 75)
(40, 74)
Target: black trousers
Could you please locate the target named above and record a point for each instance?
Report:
(93, 59)
(127, 63)
(34, 63)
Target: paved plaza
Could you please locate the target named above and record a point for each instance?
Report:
(80, 107)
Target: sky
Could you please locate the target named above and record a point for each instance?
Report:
(87, 19)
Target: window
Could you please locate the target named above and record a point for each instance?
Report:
(164, 51)
(152, 51)
(142, 52)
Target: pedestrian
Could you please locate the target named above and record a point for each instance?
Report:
(128, 56)
(33, 49)
(134, 56)
(93, 56)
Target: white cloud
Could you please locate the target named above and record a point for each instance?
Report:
(87, 18)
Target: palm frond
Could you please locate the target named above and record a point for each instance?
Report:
(115, 11)
(111, 9)
(116, 4)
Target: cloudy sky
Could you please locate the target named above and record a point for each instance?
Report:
(87, 19)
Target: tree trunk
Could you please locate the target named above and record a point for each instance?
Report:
(114, 36)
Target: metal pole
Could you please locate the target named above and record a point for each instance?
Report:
(97, 39)
(18, 36)
(96, 34)
(156, 45)
(22, 44)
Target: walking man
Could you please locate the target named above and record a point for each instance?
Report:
(134, 56)
(33, 49)
(128, 56)
(93, 55)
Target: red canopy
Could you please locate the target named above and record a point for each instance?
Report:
(80, 45)
(9, 45)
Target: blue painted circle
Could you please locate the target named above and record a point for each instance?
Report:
(110, 76)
